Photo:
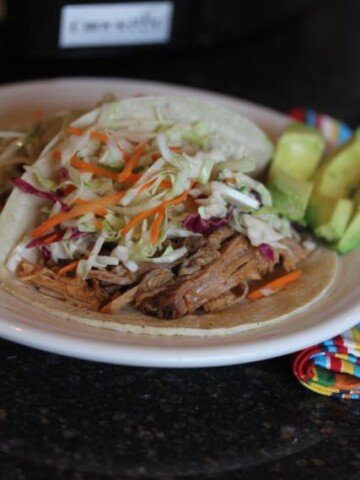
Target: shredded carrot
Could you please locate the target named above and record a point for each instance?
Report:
(147, 213)
(57, 155)
(77, 211)
(166, 184)
(99, 224)
(176, 149)
(174, 201)
(102, 212)
(99, 136)
(68, 268)
(145, 185)
(89, 167)
(192, 205)
(276, 284)
(136, 220)
(80, 201)
(125, 155)
(133, 178)
(51, 238)
(156, 226)
(74, 130)
(99, 211)
(135, 157)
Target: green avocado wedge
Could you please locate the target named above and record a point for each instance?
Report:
(339, 176)
(297, 155)
(351, 238)
(338, 213)
(335, 196)
(299, 151)
(290, 195)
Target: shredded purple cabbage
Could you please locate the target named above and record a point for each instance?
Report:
(75, 233)
(267, 251)
(196, 224)
(63, 174)
(46, 253)
(298, 228)
(257, 195)
(26, 187)
(41, 241)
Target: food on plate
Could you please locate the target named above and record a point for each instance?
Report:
(158, 203)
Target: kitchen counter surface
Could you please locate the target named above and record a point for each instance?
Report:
(63, 418)
(66, 419)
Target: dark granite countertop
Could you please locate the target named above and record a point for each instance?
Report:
(67, 419)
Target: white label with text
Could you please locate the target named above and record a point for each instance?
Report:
(113, 24)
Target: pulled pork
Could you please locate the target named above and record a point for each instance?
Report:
(63, 287)
(213, 276)
(237, 262)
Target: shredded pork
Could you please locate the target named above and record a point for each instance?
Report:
(237, 262)
(214, 275)
(77, 291)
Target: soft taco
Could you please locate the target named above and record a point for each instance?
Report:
(145, 215)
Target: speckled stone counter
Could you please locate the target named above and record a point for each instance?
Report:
(68, 419)
(65, 419)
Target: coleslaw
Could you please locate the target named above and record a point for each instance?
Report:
(119, 190)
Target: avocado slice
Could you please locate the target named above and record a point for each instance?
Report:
(290, 195)
(335, 194)
(339, 217)
(351, 238)
(339, 176)
(297, 155)
(299, 151)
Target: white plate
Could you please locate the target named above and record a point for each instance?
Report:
(21, 323)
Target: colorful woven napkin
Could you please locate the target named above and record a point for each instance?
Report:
(333, 367)
(333, 130)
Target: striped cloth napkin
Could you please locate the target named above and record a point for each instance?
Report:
(333, 367)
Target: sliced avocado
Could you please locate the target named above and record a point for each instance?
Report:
(338, 220)
(297, 155)
(319, 210)
(340, 174)
(335, 193)
(351, 238)
(290, 195)
(299, 151)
